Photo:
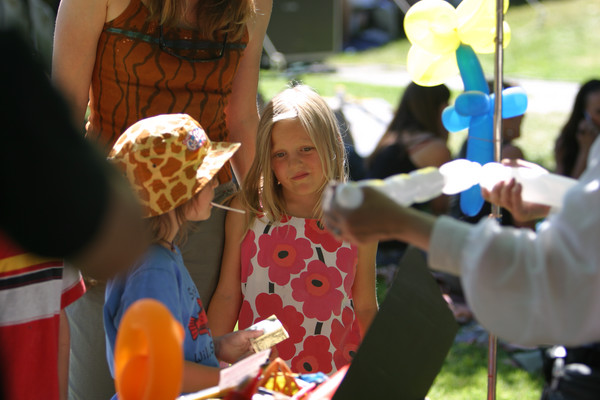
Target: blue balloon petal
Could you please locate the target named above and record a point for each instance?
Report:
(471, 201)
(453, 121)
(472, 102)
(514, 102)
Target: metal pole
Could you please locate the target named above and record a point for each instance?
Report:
(498, 80)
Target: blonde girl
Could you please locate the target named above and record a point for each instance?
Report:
(279, 258)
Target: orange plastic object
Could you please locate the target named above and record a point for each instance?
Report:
(148, 353)
(279, 378)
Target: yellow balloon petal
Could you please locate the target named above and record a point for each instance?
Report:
(483, 40)
(473, 11)
(427, 69)
(431, 25)
(477, 24)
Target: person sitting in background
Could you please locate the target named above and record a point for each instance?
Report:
(414, 139)
(573, 144)
(356, 164)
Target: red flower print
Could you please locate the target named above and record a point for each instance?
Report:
(316, 232)
(315, 356)
(198, 326)
(317, 289)
(345, 337)
(247, 252)
(285, 218)
(290, 318)
(283, 253)
(346, 259)
(245, 316)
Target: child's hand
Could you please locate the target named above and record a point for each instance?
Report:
(235, 345)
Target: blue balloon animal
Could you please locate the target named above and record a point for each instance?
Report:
(474, 110)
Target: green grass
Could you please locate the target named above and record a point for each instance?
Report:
(555, 41)
(464, 376)
(272, 83)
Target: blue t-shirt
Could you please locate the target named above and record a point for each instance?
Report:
(161, 275)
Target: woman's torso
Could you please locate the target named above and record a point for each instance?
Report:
(403, 156)
(298, 271)
(134, 79)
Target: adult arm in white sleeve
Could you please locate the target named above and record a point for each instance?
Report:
(532, 287)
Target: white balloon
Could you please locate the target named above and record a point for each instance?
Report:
(539, 186)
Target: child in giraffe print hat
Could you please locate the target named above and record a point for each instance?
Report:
(170, 162)
(168, 159)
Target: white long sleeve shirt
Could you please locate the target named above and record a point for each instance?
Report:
(528, 287)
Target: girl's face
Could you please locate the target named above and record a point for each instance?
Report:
(200, 207)
(592, 107)
(295, 160)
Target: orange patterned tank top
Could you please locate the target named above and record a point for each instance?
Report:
(143, 70)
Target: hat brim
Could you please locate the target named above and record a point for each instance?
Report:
(218, 154)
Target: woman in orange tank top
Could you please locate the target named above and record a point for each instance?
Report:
(132, 59)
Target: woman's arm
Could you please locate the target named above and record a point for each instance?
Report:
(78, 27)
(364, 287)
(226, 302)
(242, 110)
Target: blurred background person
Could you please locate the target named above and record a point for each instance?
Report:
(415, 138)
(579, 132)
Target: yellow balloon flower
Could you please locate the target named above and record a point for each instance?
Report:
(436, 29)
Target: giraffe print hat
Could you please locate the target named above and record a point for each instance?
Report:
(168, 159)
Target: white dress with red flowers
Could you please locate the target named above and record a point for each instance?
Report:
(298, 271)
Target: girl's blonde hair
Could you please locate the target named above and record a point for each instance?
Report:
(260, 192)
(213, 16)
